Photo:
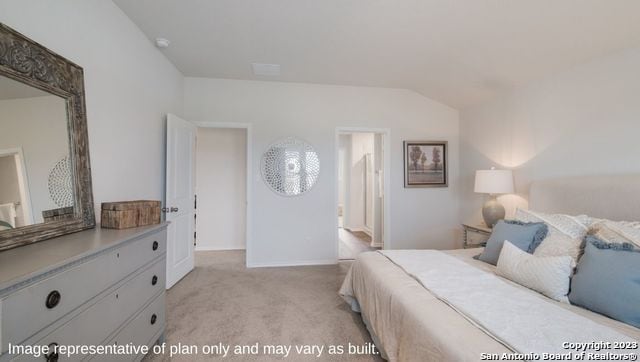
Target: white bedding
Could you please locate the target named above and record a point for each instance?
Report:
(518, 319)
(412, 324)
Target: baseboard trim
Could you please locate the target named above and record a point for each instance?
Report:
(353, 229)
(276, 264)
(212, 248)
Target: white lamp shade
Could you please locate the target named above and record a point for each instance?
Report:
(494, 182)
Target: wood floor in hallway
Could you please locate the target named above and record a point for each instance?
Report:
(353, 243)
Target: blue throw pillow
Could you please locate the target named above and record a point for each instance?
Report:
(526, 236)
(607, 280)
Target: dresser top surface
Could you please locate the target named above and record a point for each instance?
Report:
(26, 262)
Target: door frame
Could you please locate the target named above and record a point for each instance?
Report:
(248, 209)
(386, 149)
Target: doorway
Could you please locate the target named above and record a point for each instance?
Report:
(362, 191)
(181, 201)
(15, 201)
(221, 188)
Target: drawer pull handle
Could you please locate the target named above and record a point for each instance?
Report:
(154, 280)
(153, 319)
(52, 356)
(53, 299)
(155, 245)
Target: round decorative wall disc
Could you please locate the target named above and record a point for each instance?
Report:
(290, 167)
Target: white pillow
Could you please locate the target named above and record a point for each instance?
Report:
(550, 275)
(565, 235)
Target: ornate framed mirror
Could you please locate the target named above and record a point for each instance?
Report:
(45, 173)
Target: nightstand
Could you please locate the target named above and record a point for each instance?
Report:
(475, 236)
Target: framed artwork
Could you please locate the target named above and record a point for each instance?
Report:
(425, 164)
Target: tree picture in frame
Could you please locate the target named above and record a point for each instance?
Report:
(425, 164)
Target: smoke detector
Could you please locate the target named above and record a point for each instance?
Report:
(162, 43)
(270, 70)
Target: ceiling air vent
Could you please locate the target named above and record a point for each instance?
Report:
(270, 70)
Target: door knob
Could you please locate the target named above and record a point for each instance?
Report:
(173, 209)
(169, 209)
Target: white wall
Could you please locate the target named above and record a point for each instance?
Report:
(38, 126)
(344, 145)
(9, 185)
(129, 85)
(361, 144)
(583, 121)
(301, 230)
(221, 178)
(363, 206)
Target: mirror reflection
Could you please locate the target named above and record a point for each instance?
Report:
(35, 174)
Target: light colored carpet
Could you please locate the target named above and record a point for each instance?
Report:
(223, 302)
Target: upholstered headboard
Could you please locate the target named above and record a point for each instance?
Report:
(614, 197)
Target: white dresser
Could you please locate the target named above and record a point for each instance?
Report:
(93, 288)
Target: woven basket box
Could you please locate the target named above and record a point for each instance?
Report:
(130, 214)
(62, 213)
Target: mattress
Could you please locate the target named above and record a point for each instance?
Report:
(410, 324)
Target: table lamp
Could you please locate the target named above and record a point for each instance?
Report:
(493, 182)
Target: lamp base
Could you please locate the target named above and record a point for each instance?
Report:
(492, 211)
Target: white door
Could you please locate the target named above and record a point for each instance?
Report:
(180, 198)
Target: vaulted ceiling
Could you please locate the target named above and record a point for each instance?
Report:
(459, 52)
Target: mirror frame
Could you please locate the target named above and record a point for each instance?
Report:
(28, 62)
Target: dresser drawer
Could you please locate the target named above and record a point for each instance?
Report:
(94, 325)
(29, 310)
(140, 331)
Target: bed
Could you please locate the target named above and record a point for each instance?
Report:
(409, 323)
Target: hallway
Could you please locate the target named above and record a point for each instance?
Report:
(353, 243)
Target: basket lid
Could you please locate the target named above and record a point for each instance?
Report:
(129, 205)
